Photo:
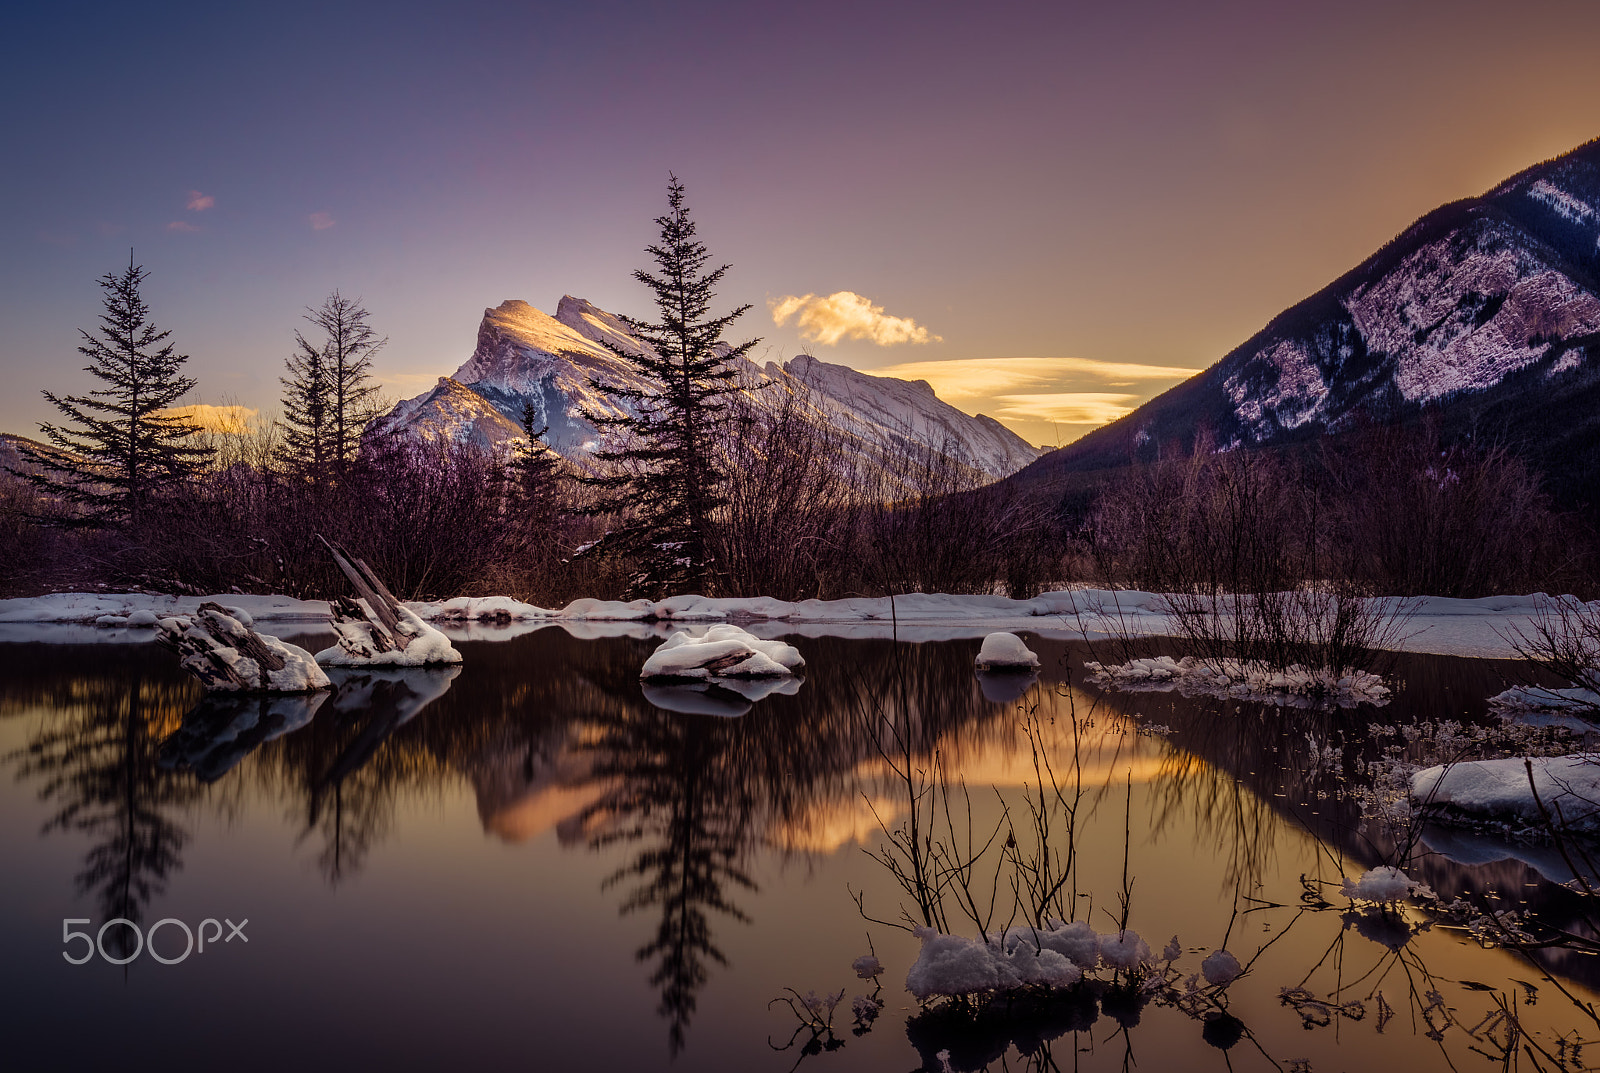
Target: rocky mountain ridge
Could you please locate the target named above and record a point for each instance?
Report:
(1484, 313)
(524, 356)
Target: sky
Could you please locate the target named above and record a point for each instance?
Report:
(1050, 211)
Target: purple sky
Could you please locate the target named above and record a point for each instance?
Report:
(1135, 184)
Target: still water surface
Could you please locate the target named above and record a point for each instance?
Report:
(528, 863)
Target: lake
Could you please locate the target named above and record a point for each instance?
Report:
(532, 861)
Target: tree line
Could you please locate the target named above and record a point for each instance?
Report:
(714, 486)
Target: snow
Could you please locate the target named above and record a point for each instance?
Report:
(1220, 968)
(1539, 699)
(1230, 677)
(1006, 652)
(1437, 625)
(1124, 950)
(1384, 883)
(1499, 790)
(299, 673)
(356, 648)
(1053, 956)
(723, 651)
(867, 967)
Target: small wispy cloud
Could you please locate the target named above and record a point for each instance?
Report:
(846, 315)
(321, 221)
(199, 202)
(184, 226)
(1067, 407)
(234, 420)
(983, 378)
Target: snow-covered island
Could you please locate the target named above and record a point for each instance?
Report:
(723, 651)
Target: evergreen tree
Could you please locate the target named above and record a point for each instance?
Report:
(329, 394)
(666, 465)
(536, 470)
(127, 448)
(307, 446)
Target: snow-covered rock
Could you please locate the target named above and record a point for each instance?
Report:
(210, 648)
(723, 651)
(1006, 652)
(1385, 883)
(1500, 790)
(356, 646)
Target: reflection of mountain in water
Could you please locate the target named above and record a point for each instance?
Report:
(556, 738)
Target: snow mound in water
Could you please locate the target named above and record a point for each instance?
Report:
(299, 673)
(724, 651)
(1500, 790)
(1006, 652)
(1231, 677)
(1384, 883)
(357, 648)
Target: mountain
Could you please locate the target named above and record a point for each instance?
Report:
(524, 356)
(1484, 313)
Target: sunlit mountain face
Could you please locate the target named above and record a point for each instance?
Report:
(1483, 316)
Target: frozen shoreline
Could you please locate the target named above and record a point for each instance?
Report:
(1438, 625)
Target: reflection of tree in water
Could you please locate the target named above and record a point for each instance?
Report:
(96, 765)
(679, 796)
(697, 794)
(350, 767)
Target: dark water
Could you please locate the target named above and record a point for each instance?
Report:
(524, 863)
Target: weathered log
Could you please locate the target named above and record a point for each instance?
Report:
(395, 632)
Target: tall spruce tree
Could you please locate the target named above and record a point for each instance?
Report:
(329, 395)
(665, 465)
(307, 446)
(126, 447)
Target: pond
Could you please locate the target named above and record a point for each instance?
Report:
(528, 862)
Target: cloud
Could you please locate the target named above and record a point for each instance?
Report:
(229, 419)
(199, 202)
(184, 226)
(321, 221)
(846, 315)
(1067, 407)
(982, 378)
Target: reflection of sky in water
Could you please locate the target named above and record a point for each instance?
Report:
(534, 861)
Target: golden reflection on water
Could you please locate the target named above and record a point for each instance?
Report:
(554, 749)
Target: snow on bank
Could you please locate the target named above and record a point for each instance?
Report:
(1499, 791)
(723, 651)
(1538, 699)
(1230, 677)
(1006, 652)
(357, 648)
(1437, 624)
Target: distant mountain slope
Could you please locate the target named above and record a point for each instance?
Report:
(524, 356)
(1485, 311)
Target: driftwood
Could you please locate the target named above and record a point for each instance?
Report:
(377, 623)
(225, 654)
